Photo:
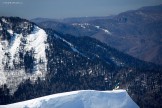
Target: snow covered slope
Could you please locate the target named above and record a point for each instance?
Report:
(80, 99)
(22, 52)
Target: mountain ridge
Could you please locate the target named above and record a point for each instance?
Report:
(136, 32)
(75, 63)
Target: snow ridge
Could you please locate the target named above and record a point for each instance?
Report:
(80, 99)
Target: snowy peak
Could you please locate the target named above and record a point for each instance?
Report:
(80, 99)
(22, 51)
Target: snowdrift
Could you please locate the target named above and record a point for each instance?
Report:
(80, 99)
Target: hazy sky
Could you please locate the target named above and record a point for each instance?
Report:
(69, 8)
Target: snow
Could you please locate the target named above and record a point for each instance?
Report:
(0, 26)
(15, 43)
(10, 31)
(4, 20)
(81, 25)
(117, 62)
(105, 30)
(2, 78)
(101, 47)
(80, 99)
(35, 41)
(98, 27)
(71, 45)
(2, 75)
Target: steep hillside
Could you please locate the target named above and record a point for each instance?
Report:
(137, 33)
(37, 62)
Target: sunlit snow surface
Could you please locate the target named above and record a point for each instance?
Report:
(36, 41)
(80, 99)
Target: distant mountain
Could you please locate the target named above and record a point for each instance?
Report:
(137, 33)
(71, 20)
(79, 99)
(38, 62)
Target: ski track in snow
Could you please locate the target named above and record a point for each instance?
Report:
(80, 99)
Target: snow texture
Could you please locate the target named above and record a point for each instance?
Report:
(71, 45)
(0, 26)
(4, 20)
(105, 30)
(84, 25)
(80, 99)
(37, 42)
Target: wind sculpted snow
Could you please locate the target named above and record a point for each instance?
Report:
(80, 99)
